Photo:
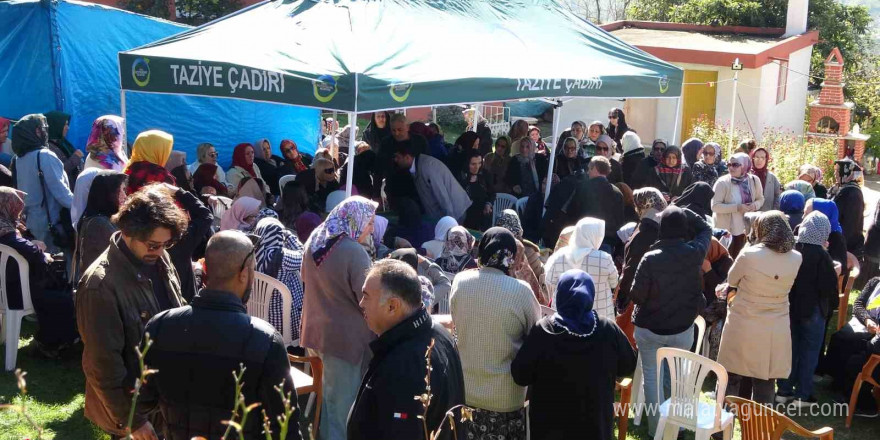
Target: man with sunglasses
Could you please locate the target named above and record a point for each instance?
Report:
(130, 282)
(197, 347)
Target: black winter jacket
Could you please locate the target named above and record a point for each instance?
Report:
(629, 163)
(197, 348)
(851, 205)
(385, 407)
(200, 221)
(668, 285)
(641, 241)
(598, 198)
(815, 285)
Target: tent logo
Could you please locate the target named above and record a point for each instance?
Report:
(664, 84)
(400, 92)
(140, 71)
(324, 88)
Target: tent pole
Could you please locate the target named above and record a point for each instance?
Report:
(733, 109)
(124, 120)
(434, 114)
(349, 172)
(677, 120)
(476, 117)
(553, 143)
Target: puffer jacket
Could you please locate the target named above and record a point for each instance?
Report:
(197, 348)
(114, 301)
(668, 286)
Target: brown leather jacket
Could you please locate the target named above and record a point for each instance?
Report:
(113, 304)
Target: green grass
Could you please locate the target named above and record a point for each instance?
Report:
(55, 401)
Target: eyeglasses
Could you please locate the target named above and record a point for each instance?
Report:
(708, 153)
(330, 171)
(153, 246)
(255, 240)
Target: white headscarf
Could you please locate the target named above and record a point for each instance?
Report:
(81, 193)
(588, 235)
(443, 226)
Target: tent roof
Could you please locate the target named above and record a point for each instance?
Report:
(356, 55)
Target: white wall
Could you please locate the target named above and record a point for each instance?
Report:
(789, 114)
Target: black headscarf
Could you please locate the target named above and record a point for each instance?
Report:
(466, 140)
(25, 134)
(373, 135)
(697, 198)
(57, 121)
(497, 249)
(186, 183)
(673, 223)
(408, 256)
(617, 132)
(103, 193)
(691, 150)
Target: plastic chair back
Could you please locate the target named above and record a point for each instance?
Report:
(283, 181)
(261, 297)
(700, 322)
(687, 373)
(502, 201)
(521, 206)
(6, 253)
(759, 422)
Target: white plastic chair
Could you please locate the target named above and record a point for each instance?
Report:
(521, 206)
(502, 201)
(10, 320)
(687, 372)
(639, 403)
(283, 181)
(261, 296)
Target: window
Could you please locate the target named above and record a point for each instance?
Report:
(782, 82)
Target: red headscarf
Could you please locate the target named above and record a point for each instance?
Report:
(205, 176)
(298, 164)
(761, 173)
(238, 159)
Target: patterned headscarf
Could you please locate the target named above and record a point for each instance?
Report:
(648, 201)
(349, 219)
(814, 229)
(773, 231)
(742, 182)
(814, 172)
(106, 141)
(847, 171)
(509, 220)
(239, 159)
(274, 237)
(153, 146)
(456, 250)
(11, 205)
(497, 249)
(802, 187)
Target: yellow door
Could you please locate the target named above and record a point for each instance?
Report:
(699, 100)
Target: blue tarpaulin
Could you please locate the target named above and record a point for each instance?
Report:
(63, 55)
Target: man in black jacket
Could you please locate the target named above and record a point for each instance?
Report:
(386, 405)
(668, 293)
(599, 198)
(197, 348)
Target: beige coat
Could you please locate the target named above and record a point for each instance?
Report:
(726, 202)
(756, 340)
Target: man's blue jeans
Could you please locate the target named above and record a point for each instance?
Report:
(649, 342)
(806, 343)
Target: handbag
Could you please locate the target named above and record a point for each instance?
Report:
(62, 230)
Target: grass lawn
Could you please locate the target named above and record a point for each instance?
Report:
(55, 401)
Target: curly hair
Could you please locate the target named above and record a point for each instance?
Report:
(149, 208)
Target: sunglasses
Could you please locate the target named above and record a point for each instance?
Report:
(255, 239)
(612, 116)
(734, 165)
(330, 171)
(153, 246)
(708, 153)
(213, 155)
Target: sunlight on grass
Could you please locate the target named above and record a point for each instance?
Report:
(14, 425)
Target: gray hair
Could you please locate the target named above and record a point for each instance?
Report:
(398, 279)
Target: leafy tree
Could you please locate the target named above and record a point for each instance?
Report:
(193, 12)
(155, 8)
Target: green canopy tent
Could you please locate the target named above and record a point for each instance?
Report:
(363, 56)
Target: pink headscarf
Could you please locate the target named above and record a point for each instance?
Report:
(234, 217)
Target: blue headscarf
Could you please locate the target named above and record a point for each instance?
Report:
(574, 302)
(829, 208)
(792, 201)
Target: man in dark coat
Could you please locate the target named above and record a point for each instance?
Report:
(599, 198)
(197, 348)
(386, 406)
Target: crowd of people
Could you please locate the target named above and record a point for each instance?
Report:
(416, 295)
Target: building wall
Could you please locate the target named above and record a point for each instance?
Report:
(789, 114)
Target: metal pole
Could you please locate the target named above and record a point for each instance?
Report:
(349, 175)
(124, 120)
(334, 150)
(733, 108)
(476, 117)
(552, 149)
(677, 121)
(434, 114)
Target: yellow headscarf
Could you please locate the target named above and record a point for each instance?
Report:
(152, 146)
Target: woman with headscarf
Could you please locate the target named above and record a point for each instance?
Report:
(792, 204)
(95, 228)
(207, 155)
(497, 162)
(206, 176)
(538, 143)
(716, 266)
(558, 359)
(761, 168)
(736, 193)
(242, 215)
(378, 129)
(294, 201)
(705, 169)
(493, 313)
(55, 310)
(836, 240)
(813, 175)
(295, 162)
(850, 202)
(319, 181)
(811, 299)
(46, 197)
(519, 130)
(509, 219)
(477, 183)
(305, 224)
(72, 158)
(456, 255)
(456, 161)
(616, 125)
(756, 340)
(583, 253)
(280, 255)
(805, 188)
(697, 198)
(633, 155)
(253, 188)
(578, 131)
(334, 269)
(81, 193)
(646, 167)
(106, 144)
(526, 171)
(690, 150)
(149, 154)
(435, 247)
(671, 176)
(242, 165)
(567, 162)
(605, 147)
(266, 164)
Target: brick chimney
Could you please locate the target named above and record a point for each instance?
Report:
(832, 87)
(796, 18)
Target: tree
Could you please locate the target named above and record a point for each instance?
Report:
(194, 12)
(598, 11)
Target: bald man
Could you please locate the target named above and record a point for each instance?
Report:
(196, 348)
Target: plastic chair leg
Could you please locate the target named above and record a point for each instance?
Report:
(853, 400)
(727, 433)
(660, 433)
(638, 404)
(12, 331)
